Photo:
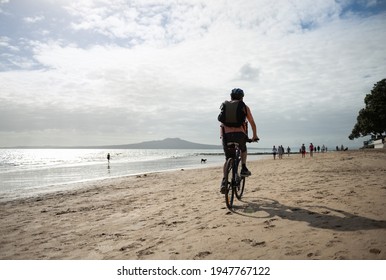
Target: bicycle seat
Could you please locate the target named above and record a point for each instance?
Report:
(232, 144)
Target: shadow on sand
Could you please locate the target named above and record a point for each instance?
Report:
(316, 216)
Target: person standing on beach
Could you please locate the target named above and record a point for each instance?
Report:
(108, 157)
(288, 150)
(234, 128)
(274, 151)
(311, 150)
(281, 151)
(303, 151)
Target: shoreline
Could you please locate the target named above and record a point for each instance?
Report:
(328, 207)
(42, 178)
(29, 182)
(52, 189)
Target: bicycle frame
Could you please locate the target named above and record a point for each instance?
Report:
(236, 161)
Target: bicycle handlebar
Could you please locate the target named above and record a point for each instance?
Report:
(249, 140)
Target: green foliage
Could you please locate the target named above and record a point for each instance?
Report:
(372, 118)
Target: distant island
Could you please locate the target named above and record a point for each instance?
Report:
(168, 143)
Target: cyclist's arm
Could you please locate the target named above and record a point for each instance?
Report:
(252, 123)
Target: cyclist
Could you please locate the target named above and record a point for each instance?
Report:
(234, 128)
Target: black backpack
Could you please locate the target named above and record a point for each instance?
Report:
(233, 113)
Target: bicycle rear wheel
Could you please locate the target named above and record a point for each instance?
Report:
(229, 193)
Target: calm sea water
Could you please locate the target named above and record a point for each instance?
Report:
(28, 172)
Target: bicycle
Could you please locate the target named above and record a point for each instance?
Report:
(236, 184)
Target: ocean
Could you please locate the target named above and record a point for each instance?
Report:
(30, 172)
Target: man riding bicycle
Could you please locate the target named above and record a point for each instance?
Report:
(234, 128)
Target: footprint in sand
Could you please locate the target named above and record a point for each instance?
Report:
(254, 243)
(268, 223)
(144, 252)
(375, 251)
(129, 247)
(202, 255)
(313, 255)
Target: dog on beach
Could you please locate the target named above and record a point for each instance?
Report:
(203, 160)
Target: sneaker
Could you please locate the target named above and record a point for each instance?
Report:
(245, 172)
(223, 186)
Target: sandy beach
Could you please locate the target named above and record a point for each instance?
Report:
(331, 206)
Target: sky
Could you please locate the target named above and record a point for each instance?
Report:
(101, 72)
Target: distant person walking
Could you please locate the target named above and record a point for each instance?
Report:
(108, 157)
(288, 150)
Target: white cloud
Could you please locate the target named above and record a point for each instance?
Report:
(142, 22)
(33, 19)
(5, 42)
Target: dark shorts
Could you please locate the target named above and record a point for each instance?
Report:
(238, 137)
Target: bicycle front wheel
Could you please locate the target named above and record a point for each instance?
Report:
(239, 189)
(230, 191)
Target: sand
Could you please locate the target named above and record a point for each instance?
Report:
(331, 206)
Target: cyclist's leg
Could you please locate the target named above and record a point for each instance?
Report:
(244, 157)
(242, 140)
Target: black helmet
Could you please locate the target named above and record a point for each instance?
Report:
(237, 93)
